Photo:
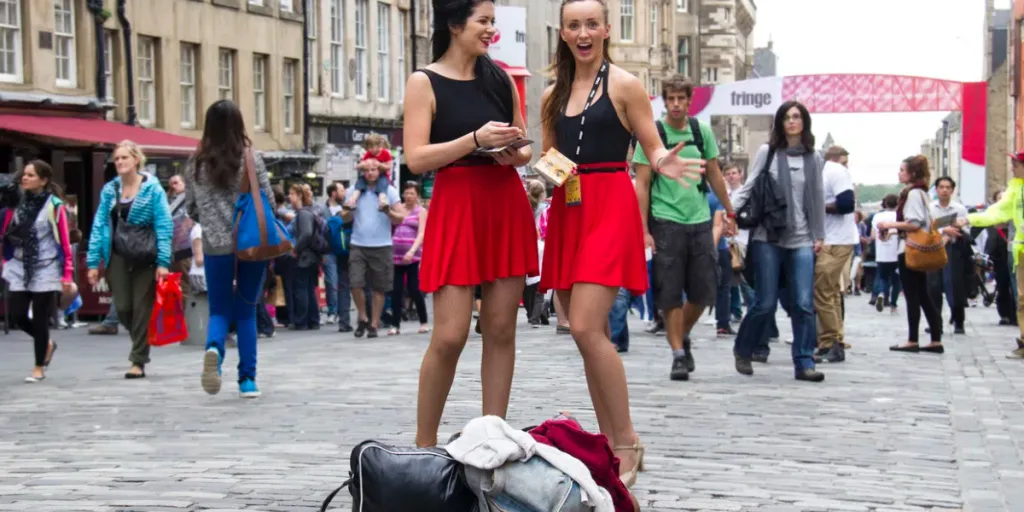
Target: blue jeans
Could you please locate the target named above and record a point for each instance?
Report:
(617, 320)
(724, 298)
(887, 282)
(344, 292)
(741, 294)
(111, 319)
(330, 265)
(798, 264)
(230, 306)
(306, 311)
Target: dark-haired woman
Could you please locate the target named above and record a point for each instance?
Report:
(213, 180)
(913, 214)
(595, 246)
(132, 199)
(481, 231)
(796, 168)
(37, 258)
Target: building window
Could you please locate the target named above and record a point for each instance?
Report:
(655, 30)
(383, 46)
(288, 85)
(683, 56)
(256, 2)
(64, 43)
(226, 74)
(362, 9)
(259, 91)
(10, 41)
(337, 48)
(710, 75)
(403, 29)
(552, 42)
(682, 5)
(312, 24)
(626, 19)
(187, 82)
(147, 80)
(286, 5)
(108, 64)
(655, 91)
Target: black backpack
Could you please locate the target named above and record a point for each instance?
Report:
(698, 140)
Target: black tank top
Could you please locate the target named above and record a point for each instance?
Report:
(604, 138)
(465, 105)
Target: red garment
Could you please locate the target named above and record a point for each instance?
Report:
(600, 241)
(592, 450)
(480, 228)
(383, 156)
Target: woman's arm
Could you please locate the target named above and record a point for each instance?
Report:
(521, 156)
(742, 195)
(303, 230)
(420, 155)
(164, 226)
(263, 178)
(191, 209)
(419, 232)
(100, 232)
(65, 244)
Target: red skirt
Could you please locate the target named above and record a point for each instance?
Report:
(479, 228)
(599, 241)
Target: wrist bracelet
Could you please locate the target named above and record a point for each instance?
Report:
(474, 139)
(657, 165)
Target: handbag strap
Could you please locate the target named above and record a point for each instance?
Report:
(251, 185)
(330, 497)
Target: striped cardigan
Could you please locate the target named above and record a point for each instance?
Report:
(150, 208)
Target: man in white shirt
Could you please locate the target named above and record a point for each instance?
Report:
(887, 285)
(841, 235)
(952, 279)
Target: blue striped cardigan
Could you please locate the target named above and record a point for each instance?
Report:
(150, 208)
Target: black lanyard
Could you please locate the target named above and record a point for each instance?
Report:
(602, 74)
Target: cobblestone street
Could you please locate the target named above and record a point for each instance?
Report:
(884, 432)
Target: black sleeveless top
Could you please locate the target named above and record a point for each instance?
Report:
(465, 105)
(604, 137)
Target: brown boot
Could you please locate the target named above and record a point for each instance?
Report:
(103, 330)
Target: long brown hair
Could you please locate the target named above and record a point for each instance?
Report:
(917, 168)
(564, 70)
(223, 144)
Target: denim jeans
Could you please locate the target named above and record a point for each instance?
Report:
(330, 265)
(798, 265)
(230, 306)
(724, 298)
(617, 319)
(306, 311)
(741, 294)
(887, 282)
(337, 270)
(111, 319)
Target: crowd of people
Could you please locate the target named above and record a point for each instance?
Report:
(651, 218)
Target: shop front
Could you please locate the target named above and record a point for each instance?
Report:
(345, 147)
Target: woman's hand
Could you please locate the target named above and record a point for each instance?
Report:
(67, 286)
(884, 227)
(818, 246)
(93, 276)
(161, 273)
(408, 257)
(198, 260)
(959, 223)
(508, 157)
(495, 134)
(673, 167)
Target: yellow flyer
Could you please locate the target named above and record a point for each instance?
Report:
(573, 192)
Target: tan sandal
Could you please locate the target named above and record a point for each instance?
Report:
(629, 478)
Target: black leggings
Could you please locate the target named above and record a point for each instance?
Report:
(915, 289)
(38, 327)
(398, 291)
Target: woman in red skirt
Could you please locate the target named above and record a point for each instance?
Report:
(595, 242)
(481, 229)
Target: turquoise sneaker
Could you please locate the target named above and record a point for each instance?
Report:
(211, 371)
(247, 389)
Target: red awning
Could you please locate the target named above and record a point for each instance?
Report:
(98, 131)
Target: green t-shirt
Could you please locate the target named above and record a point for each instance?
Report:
(670, 200)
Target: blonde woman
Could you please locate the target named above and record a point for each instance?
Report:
(134, 204)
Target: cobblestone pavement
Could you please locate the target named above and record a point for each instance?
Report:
(884, 432)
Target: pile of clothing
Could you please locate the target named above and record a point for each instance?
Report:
(554, 467)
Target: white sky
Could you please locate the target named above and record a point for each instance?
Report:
(929, 38)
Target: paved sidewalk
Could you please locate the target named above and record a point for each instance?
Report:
(884, 432)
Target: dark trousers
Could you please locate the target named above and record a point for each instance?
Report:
(38, 327)
(723, 300)
(306, 311)
(134, 290)
(264, 323)
(344, 293)
(533, 303)
(407, 280)
(915, 289)
(887, 283)
(1005, 304)
(285, 268)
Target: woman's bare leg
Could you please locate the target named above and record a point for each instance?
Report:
(606, 377)
(498, 323)
(561, 307)
(453, 310)
(601, 409)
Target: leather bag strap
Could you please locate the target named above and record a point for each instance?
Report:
(251, 184)
(330, 497)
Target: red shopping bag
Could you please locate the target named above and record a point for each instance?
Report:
(167, 323)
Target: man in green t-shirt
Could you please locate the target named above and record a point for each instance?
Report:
(678, 229)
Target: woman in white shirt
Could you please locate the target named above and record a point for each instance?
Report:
(887, 286)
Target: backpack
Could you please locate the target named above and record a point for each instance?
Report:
(698, 140)
(321, 231)
(336, 236)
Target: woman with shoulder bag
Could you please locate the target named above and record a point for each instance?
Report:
(37, 258)
(131, 236)
(912, 216)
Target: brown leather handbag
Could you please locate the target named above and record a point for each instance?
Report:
(925, 251)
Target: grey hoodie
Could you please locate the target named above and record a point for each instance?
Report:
(214, 208)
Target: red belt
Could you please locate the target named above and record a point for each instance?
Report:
(601, 167)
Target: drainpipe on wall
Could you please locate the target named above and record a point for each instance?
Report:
(99, 15)
(412, 30)
(305, 76)
(126, 30)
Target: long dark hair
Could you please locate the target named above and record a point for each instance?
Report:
(452, 14)
(564, 69)
(45, 172)
(223, 143)
(917, 168)
(778, 141)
